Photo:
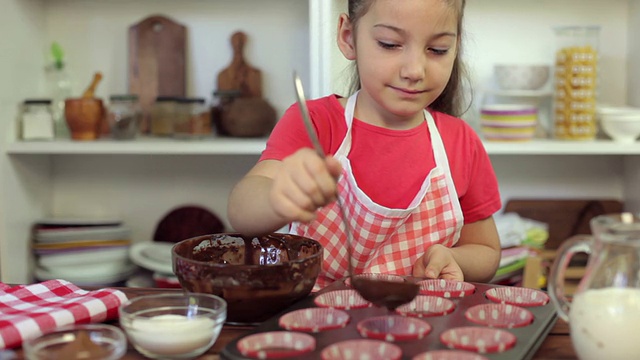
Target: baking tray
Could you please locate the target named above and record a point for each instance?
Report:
(529, 338)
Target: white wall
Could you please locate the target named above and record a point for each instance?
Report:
(633, 96)
(507, 31)
(94, 35)
(141, 189)
(22, 193)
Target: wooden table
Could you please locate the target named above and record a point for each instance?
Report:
(557, 345)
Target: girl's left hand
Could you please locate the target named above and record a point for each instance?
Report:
(438, 263)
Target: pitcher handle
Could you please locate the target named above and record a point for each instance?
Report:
(571, 246)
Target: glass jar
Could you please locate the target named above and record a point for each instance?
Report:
(193, 120)
(162, 115)
(124, 116)
(576, 82)
(37, 120)
(59, 88)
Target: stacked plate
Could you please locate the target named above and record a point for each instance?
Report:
(154, 256)
(86, 252)
(508, 122)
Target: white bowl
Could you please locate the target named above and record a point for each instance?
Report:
(173, 325)
(623, 126)
(521, 76)
(87, 341)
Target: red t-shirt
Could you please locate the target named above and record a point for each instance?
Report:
(391, 165)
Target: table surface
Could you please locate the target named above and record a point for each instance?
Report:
(557, 345)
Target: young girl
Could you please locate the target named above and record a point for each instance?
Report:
(417, 184)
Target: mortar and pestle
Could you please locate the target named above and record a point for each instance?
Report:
(84, 115)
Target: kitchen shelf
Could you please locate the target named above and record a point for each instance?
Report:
(141, 146)
(520, 93)
(254, 146)
(560, 147)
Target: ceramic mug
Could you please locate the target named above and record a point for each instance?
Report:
(84, 117)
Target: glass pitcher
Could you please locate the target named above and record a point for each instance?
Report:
(604, 315)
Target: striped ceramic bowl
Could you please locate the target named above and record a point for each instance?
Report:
(508, 122)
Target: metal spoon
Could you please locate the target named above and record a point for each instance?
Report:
(389, 294)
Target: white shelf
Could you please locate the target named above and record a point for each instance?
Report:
(520, 93)
(558, 147)
(254, 146)
(141, 146)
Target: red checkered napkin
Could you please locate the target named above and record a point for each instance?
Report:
(28, 311)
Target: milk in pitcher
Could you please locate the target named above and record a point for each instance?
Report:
(605, 323)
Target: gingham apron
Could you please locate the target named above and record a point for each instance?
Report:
(385, 240)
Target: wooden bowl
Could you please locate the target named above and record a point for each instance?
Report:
(84, 117)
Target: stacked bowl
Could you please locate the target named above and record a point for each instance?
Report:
(86, 252)
(521, 76)
(508, 122)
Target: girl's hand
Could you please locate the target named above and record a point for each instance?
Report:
(438, 263)
(304, 183)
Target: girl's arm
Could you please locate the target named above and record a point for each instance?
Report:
(474, 258)
(275, 193)
(248, 209)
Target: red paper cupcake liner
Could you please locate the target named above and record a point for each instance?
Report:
(314, 320)
(478, 339)
(373, 276)
(362, 349)
(427, 306)
(499, 315)
(446, 288)
(519, 296)
(393, 328)
(276, 345)
(341, 299)
(449, 355)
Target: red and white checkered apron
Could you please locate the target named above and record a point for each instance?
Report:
(385, 240)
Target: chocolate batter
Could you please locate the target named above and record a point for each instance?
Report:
(383, 293)
(257, 276)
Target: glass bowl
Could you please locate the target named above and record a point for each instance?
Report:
(88, 341)
(173, 325)
(257, 276)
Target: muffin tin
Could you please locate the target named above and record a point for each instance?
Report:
(512, 322)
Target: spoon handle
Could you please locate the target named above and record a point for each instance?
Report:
(302, 103)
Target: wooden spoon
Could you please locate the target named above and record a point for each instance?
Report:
(89, 93)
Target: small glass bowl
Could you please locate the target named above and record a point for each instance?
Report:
(173, 326)
(89, 341)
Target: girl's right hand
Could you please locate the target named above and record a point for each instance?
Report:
(304, 183)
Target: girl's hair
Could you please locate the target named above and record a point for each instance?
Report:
(452, 97)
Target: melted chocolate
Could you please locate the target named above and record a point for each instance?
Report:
(257, 276)
(389, 294)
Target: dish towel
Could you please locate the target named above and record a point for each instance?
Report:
(28, 311)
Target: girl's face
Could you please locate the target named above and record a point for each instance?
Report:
(405, 50)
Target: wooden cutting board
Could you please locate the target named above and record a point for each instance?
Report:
(239, 75)
(157, 65)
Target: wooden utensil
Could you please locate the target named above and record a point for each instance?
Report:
(156, 61)
(239, 75)
(91, 90)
